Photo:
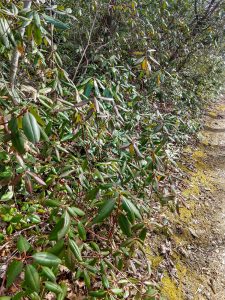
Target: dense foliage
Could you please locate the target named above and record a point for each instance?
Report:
(96, 98)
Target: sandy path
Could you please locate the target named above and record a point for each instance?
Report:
(209, 247)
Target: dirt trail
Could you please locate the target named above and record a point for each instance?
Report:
(198, 238)
(207, 248)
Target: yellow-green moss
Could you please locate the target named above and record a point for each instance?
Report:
(174, 291)
(221, 107)
(198, 154)
(185, 214)
(179, 240)
(170, 290)
(193, 188)
(198, 179)
(191, 278)
(212, 114)
(181, 270)
(188, 149)
(155, 260)
(183, 167)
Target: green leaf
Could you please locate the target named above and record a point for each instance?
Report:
(90, 268)
(53, 287)
(6, 174)
(13, 270)
(37, 35)
(52, 203)
(70, 260)
(48, 273)
(32, 279)
(75, 250)
(28, 19)
(62, 295)
(31, 128)
(37, 19)
(82, 231)
(57, 23)
(91, 195)
(94, 246)
(116, 291)
(124, 225)
(35, 219)
(88, 89)
(35, 296)
(18, 143)
(74, 211)
(46, 259)
(18, 296)
(66, 225)
(57, 248)
(87, 279)
(13, 125)
(3, 33)
(6, 197)
(54, 234)
(143, 234)
(130, 208)
(22, 244)
(78, 273)
(105, 281)
(35, 113)
(105, 211)
(44, 135)
(98, 294)
(61, 228)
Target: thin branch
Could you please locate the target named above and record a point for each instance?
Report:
(19, 233)
(16, 55)
(87, 46)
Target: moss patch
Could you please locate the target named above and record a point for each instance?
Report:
(186, 214)
(212, 114)
(154, 259)
(198, 154)
(197, 181)
(221, 107)
(170, 290)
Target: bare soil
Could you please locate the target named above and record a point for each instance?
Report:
(204, 278)
(195, 246)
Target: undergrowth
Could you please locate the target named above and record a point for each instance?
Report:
(92, 123)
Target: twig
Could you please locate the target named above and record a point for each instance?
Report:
(88, 44)
(16, 55)
(18, 233)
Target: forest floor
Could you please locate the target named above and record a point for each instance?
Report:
(198, 239)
